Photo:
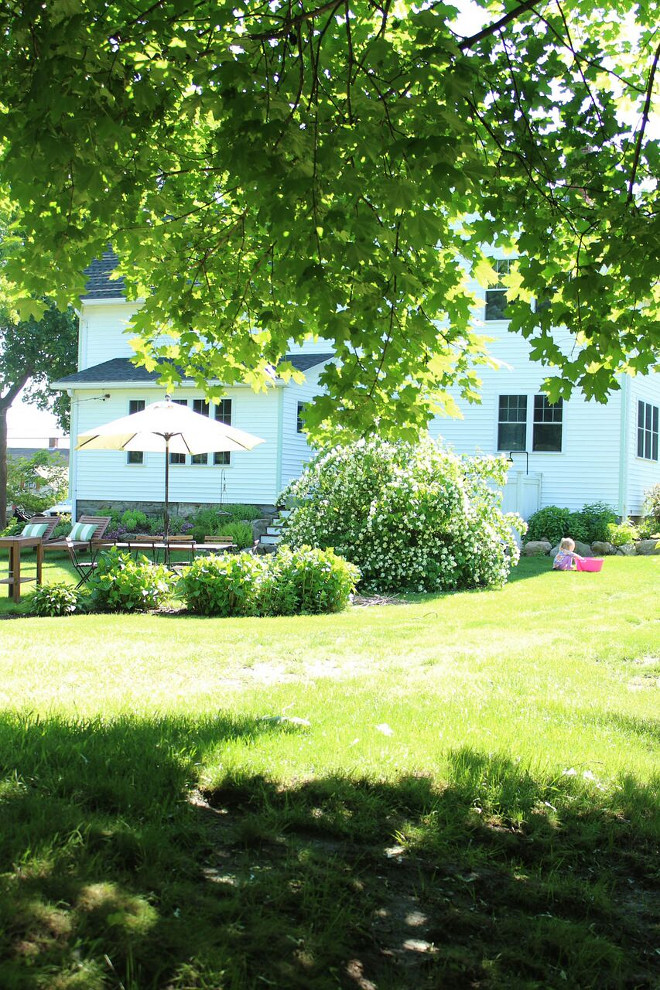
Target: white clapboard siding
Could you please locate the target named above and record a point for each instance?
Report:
(598, 460)
(103, 332)
(587, 467)
(640, 473)
(296, 451)
(250, 477)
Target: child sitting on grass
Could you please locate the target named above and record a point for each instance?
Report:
(566, 556)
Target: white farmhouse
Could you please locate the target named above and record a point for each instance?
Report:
(566, 454)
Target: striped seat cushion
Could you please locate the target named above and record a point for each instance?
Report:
(34, 529)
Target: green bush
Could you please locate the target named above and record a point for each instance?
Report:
(577, 527)
(409, 516)
(620, 534)
(134, 521)
(219, 520)
(286, 583)
(223, 585)
(240, 533)
(122, 584)
(652, 503)
(56, 599)
(205, 522)
(595, 519)
(306, 580)
(63, 528)
(648, 527)
(13, 528)
(587, 525)
(241, 513)
(549, 523)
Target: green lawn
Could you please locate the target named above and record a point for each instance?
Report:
(453, 792)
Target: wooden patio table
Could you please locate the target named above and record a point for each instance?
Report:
(14, 545)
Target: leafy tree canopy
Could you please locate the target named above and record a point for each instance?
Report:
(266, 170)
(37, 481)
(34, 353)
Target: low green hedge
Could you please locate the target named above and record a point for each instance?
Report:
(588, 524)
(290, 582)
(122, 584)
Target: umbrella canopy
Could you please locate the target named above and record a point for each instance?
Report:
(169, 427)
(167, 423)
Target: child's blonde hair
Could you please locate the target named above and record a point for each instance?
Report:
(567, 544)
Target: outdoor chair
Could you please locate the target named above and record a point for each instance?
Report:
(100, 524)
(83, 563)
(142, 542)
(90, 528)
(50, 522)
(226, 543)
(178, 544)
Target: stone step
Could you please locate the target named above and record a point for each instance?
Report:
(270, 540)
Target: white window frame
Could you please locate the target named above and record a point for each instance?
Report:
(141, 403)
(648, 430)
(494, 294)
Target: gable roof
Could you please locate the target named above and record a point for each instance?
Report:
(99, 283)
(303, 362)
(122, 371)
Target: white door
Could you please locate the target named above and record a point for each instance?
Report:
(522, 493)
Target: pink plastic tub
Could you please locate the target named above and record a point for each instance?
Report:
(589, 564)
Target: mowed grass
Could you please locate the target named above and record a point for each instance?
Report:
(453, 791)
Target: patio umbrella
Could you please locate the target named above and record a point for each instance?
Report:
(169, 427)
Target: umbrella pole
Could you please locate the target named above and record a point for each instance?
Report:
(167, 487)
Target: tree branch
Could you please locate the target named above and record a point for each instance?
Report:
(645, 120)
(496, 25)
(289, 22)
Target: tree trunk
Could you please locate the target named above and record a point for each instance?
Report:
(3, 465)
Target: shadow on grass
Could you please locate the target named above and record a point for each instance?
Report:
(530, 567)
(118, 872)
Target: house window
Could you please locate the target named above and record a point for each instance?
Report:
(300, 422)
(547, 424)
(201, 407)
(496, 297)
(647, 431)
(544, 301)
(223, 415)
(512, 423)
(135, 456)
(178, 458)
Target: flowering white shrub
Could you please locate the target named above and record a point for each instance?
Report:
(412, 517)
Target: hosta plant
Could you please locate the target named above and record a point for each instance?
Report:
(223, 585)
(56, 600)
(306, 580)
(287, 583)
(623, 533)
(122, 584)
(413, 517)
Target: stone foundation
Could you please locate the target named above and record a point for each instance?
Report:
(95, 507)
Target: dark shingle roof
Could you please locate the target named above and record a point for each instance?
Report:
(118, 371)
(303, 362)
(101, 286)
(99, 283)
(121, 371)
